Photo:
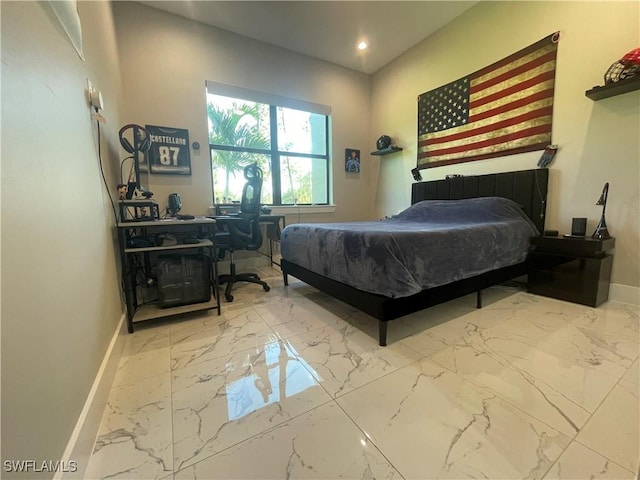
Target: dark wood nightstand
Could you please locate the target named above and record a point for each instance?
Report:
(574, 269)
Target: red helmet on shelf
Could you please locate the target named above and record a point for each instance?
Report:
(627, 67)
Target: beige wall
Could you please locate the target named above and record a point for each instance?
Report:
(166, 61)
(599, 141)
(60, 289)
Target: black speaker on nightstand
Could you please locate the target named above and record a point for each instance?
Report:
(579, 227)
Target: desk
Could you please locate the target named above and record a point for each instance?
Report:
(138, 254)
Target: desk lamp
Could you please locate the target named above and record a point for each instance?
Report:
(601, 232)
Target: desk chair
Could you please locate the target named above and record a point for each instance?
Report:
(242, 231)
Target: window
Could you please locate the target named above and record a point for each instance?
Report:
(289, 141)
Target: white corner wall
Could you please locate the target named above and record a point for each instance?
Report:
(166, 60)
(599, 141)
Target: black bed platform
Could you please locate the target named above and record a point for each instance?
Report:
(528, 188)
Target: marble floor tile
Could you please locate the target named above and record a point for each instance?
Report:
(136, 367)
(579, 463)
(613, 430)
(586, 385)
(323, 443)
(613, 317)
(148, 336)
(344, 358)
(218, 336)
(633, 373)
(562, 333)
(293, 315)
(409, 326)
(292, 383)
(451, 326)
(203, 324)
(456, 429)
(223, 401)
(521, 387)
(135, 438)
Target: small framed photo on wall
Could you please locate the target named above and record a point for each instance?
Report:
(352, 160)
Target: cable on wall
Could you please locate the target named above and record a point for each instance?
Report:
(104, 179)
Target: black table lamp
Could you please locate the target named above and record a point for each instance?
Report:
(601, 232)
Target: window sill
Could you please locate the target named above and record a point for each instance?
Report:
(291, 209)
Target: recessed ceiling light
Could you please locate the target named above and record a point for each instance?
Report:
(362, 45)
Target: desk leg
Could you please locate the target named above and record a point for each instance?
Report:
(270, 253)
(284, 224)
(216, 280)
(129, 294)
(128, 278)
(214, 261)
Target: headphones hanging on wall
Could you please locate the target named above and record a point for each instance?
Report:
(140, 137)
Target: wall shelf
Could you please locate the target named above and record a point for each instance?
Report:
(606, 91)
(386, 151)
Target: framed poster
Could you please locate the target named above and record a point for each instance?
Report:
(351, 160)
(169, 152)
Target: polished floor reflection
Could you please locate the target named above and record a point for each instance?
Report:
(292, 384)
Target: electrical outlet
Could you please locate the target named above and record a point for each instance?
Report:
(90, 91)
(94, 96)
(96, 100)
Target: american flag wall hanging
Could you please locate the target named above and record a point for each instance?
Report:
(503, 109)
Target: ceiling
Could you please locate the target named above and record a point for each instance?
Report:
(327, 30)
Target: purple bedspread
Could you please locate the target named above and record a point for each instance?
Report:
(431, 243)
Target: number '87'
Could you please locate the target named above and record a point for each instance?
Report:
(168, 155)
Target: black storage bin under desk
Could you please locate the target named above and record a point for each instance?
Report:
(182, 280)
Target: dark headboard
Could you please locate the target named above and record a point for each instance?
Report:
(526, 187)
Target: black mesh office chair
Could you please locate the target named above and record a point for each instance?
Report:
(242, 231)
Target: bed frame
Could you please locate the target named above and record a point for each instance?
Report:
(527, 188)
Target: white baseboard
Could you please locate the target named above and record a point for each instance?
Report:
(624, 294)
(84, 434)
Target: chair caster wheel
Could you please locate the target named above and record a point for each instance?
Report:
(266, 288)
(229, 298)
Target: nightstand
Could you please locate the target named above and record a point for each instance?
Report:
(574, 269)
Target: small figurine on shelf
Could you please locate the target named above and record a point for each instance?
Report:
(122, 191)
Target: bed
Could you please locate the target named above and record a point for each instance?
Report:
(460, 235)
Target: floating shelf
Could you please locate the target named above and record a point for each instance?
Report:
(386, 151)
(618, 88)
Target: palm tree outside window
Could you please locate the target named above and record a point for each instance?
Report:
(289, 145)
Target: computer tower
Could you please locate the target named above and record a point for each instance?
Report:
(183, 279)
